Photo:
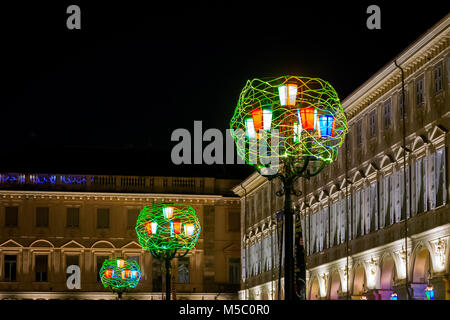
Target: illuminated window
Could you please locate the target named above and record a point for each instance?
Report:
(387, 114)
(437, 76)
(420, 92)
(10, 267)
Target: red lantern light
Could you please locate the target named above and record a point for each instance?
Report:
(108, 273)
(308, 116)
(125, 273)
(257, 115)
(177, 226)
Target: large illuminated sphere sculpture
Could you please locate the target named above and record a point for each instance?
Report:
(120, 275)
(167, 229)
(289, 117)
(289, 127)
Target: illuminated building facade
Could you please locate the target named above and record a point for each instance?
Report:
(49, 221)
(355, 212)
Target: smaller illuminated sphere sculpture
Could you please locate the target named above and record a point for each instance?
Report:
(162, 227)
(119, 274)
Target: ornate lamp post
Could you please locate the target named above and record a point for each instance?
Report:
(120, 275)
(289, 127)
(165, 230)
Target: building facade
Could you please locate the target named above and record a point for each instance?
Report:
(371, 227)
(48, 222)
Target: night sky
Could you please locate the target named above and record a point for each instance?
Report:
(105, 99)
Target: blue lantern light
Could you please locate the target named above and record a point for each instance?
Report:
(326, 123)
(394, 296)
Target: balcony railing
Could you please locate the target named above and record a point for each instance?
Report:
(111, 183)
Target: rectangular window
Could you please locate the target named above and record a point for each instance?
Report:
(359, 133)
(373, 123)
(103, 218)
(73, 217)
(100, 260)
(387, 114)
(42, 214)
(41, 268)
(233, 270)
(440, 179)
(10, 267)
(11, 214)
(234, 221)
(156, 275)
(420, 91)
(437, 75)
(183, 270)
(402, 107)
(132, 215)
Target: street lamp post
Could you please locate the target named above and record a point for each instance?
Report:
(167, 231)
(289, 127)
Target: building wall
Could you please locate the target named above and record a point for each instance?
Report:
(351, 217)
(89, 242)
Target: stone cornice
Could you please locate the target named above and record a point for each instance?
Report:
(63, 195)
(426, 47)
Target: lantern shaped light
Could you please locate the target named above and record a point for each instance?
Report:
(177, 226)
(133, 274)
(189, 229)
(267, 119)
(429, 292)
(326, 124)
(151, 227)
(363, 297)
(125, 273)
(308, 118)
(288, 94)
(257, 116)
(168, 212)
(250, 128)
(109, 273)
(394, 296)
(120, 263)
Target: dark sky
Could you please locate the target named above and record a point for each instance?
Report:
(106, 98)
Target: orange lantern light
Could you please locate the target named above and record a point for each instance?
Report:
(177, 226)
(125, 273)
(109, 273)
(257, 115)
(120, 263)
(308, 118)
(151, 227)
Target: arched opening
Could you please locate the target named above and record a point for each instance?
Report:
(421, 272)
(315, 291)
(421, 266)
(335, 286)
(387, 278)
(359, 281)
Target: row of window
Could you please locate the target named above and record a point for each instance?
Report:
(41, 268)
(103, 218)
(380, 204)
(402, 107)
(72, 217)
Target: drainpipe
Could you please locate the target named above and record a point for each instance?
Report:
(245, 231)
(404, 178)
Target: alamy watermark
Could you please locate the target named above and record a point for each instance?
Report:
(190, 149)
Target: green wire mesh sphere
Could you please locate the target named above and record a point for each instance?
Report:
(289, 116)
(167, 227)
(118, 274)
